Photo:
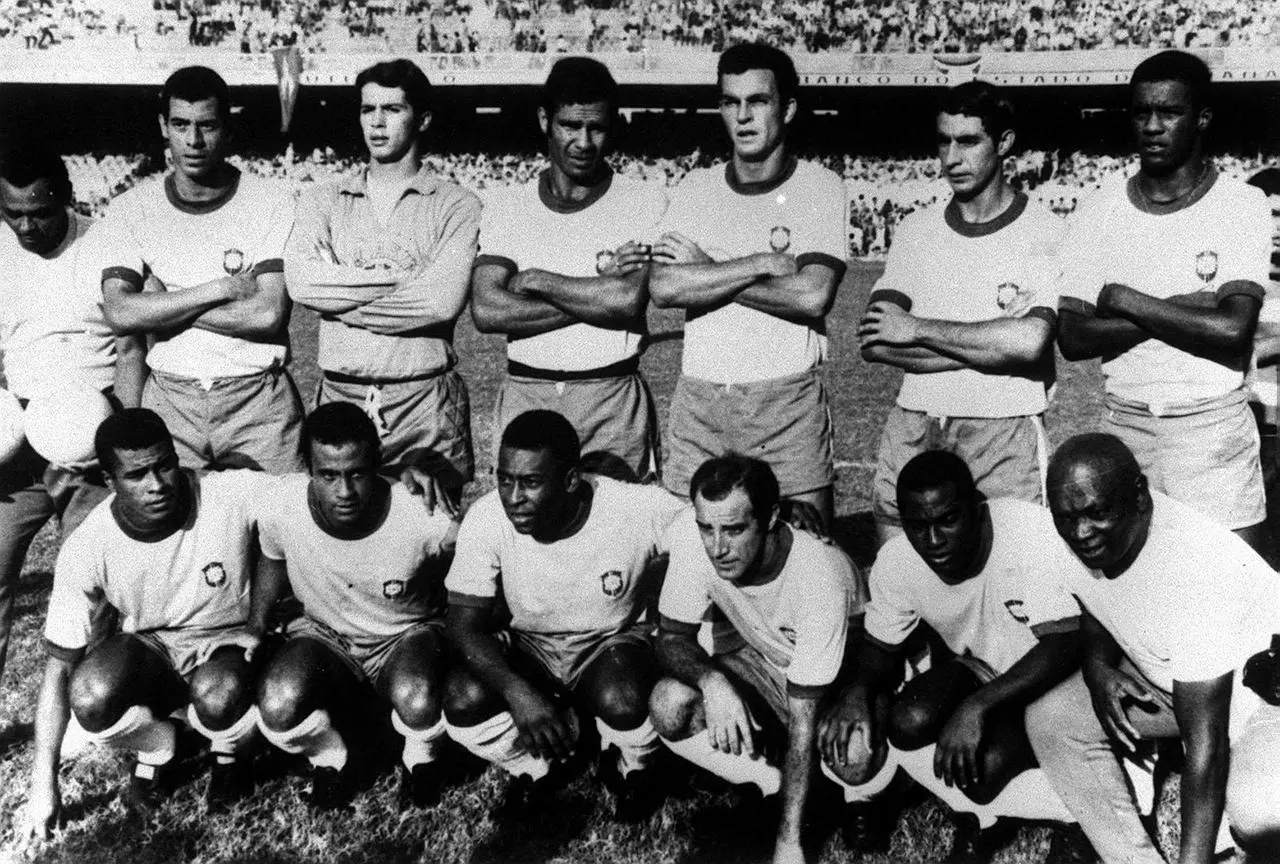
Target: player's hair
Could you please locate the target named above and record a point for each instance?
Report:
(401, 73)
(27, 160)
(195, 84)
(608, 464)
(128, 429)
(757, 55)
(579, 81)
(720, 475)
(983, 100)
(1268, 180)
(1105, 453)
(1179, 66)
(541, 429)
(338, 423)
(934, 469)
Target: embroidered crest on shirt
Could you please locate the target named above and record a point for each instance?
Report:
(604, 260)
(612, 583)
(393, 589)
(1207, 266)
(1015, 609)
(1006, 293)
(780, 238)
(233, 261)
(215, 575)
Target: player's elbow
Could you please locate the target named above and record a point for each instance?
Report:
(485, 314)
(1074, 345)
(122, 320)
(664, 286)
(817, 302)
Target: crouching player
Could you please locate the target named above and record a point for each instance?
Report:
(171, 552)
(790, 600)
(367, 562)
(569, 555)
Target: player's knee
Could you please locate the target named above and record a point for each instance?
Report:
(414, 702)
(672, 708)
(95, 697)
(622, 703)
(466, 700)
(220, 696)
(282, 700)
(862, 766)
(912, 725)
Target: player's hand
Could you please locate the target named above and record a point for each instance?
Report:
(675, 248)
(956, 758)
(788, 852)
(428, 485)
(728, 720)
(40, 817)
(523, 282)
(1110, 689)
(544, 733)
(847, 733)
(803, 515)
(247, 640)
(1019, 306)
(887, 323)
(627, 259)
(777, 264)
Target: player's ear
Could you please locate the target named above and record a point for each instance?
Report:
(572, 478)
(789, 111)
(543, 119)
(424, 121)
(1005, 145)
(1204, 118)
(775, 515)
(164, 127)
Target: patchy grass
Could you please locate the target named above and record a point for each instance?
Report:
(694, 826)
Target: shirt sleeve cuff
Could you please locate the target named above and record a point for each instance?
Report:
(678, 627)
(806, 691)
(1044, 313)
(889, 295)
(1075, 304)
(66, 655)
(497, 261)
(1240, 286)
(1062, 625)
(271, 265)
(127, 274)
(806, 258)
(474, 601)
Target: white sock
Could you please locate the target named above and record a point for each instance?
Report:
(635, 746)
(314, 737)
(1141, 772)
(873, 787)
(420, 745)
(736, 769)
(919, 765)
(138, 729)
(224, 744)
(494, 741)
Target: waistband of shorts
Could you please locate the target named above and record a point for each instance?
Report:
(948, 417)
(374, 381)
(763, 386)
(621, 369)
(1175, 409)
(207, 384)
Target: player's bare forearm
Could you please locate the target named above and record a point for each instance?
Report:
(803, 296)
(918, 360)
(797, 766)
(53, 708)
(1082, 335)
(612, 300)
(997, 345)
(467, 630)
(130, 311)
(494, 309)
(1266, 343)
(680, 655)
(433, 296)
(1048, 663)
(1202, 709)
(708, 284)
(130, 373)
(1222, 332)
(259, 317)
(270, 581)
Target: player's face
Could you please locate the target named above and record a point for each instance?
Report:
(754, 114)
(734, 538)
(197, 137)
(389, 123)
(971, 159)
(147, 484)
(944, 529)
(535, 493)
(1103, 523)
(1166, 125)
(343, 481)
(38, 220)
(577, 138)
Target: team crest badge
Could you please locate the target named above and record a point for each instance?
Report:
(612, 583)
(604, 260)
(215, 575)
(233, 261)
(1207, 266)
(393, 589)
(780, 238)
(1015, 609)
(1006, 293)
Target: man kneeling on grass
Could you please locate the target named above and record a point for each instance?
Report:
(570, 555)
(367, 561)
(171, 552)
(790, 601)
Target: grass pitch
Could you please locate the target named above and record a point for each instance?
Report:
(695, 825)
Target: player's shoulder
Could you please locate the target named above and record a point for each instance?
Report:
(240, 486)
(634, 499)
(1038, 218)
(144, 197)
(448, 193)
(90, 537)
(633, 190)
(1235, 191)
(1015, 511)
(262, 192)
(816, 176)
(485, 514)
(408, 512)
(896, 561)
(702, 181)
(822, 561)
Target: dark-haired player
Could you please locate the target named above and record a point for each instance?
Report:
(753, 251)
(568, 555)
(1163, 279)
(367, 564)
(55, 341)
(788, 600)
(966, 307)
(385, 257)
(172, 552)
(194, 264)
(563, 273)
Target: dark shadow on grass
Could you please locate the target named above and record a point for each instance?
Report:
(544, 832)
(855, 533)
(729, 830)
(14, 736)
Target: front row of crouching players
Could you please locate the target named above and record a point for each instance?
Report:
(572, 558)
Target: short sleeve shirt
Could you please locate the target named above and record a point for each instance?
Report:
(150, 230)
(799, 621)
(590, 582)
(196, 579)
(997, 615)
(803, 214)
(367, 589)
(944, 268)
(525, 228)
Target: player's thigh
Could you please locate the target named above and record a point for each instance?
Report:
(122, 671)
(256, 423)
(429, 425)
(787, 423)
(926, 702)
(696, 431)
(181, 407)
(412, 678)
(24, 507)
(1005, 753)
(307, 674)
(468, 700)
(615, 684)
(904, 435)
(1006, 455)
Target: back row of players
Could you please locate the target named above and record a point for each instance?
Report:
(180, 299)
